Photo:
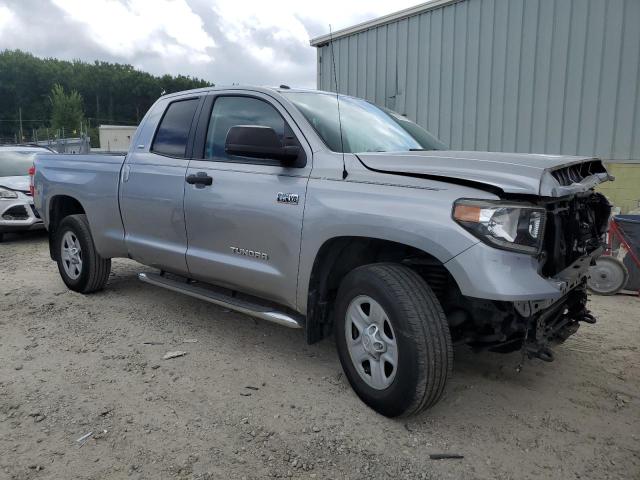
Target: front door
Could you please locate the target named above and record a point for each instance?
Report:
(244, 229)
(152, 191)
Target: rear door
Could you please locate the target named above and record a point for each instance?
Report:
(152, 189)
(244, 229)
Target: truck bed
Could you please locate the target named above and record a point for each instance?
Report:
(93, 181)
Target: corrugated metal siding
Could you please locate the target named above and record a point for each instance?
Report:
(546, 76)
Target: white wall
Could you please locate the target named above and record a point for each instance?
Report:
(115, 138)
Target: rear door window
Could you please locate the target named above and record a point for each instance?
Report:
(173, 132)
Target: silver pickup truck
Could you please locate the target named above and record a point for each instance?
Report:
(333, 215)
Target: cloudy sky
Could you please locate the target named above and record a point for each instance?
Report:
(223, 41)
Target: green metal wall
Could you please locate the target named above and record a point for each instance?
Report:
(545, 76)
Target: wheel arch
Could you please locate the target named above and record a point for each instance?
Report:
(338, 256)
(61, 206)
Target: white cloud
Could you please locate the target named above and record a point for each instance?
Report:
(166, 27)
(251, 24)
(6, 18)
(224, 41)
(287, 17)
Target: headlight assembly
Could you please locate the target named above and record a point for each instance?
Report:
(6, 194)
(506, 225)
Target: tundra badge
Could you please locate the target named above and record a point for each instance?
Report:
(291, 198)
(250, 253)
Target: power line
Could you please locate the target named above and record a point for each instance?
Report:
(123, 122)
(23, 120)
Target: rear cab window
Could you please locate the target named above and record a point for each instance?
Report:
(173, 131)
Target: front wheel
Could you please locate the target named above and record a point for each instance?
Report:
(81, 267)
(393, 339)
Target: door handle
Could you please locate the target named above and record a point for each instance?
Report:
(125, 173)
(200, 178)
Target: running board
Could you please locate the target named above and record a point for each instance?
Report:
(235, 304)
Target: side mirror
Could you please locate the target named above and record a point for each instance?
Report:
(261, 142)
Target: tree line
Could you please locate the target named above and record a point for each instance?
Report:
(47, 92)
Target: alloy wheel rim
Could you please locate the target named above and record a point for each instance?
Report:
(371, 342)
(71, 254)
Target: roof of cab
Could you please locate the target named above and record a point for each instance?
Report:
(241, 88)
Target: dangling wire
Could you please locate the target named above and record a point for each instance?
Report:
(335, 79)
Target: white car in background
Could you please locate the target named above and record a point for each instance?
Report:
(17, 212)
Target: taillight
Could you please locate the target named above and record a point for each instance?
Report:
(32, 173)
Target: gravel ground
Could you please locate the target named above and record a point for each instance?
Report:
(252, 400)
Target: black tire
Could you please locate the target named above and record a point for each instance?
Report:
(95, 269)
(425, 353)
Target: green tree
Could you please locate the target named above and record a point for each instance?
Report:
(66, 110)
(111, 92)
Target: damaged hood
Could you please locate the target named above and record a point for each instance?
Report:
(20, 183)
(517, 173)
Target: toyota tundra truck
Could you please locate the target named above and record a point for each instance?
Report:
(328, 213)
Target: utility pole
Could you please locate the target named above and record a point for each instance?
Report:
(20, 113)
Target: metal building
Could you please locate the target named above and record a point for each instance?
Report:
(115, 138)
(545, 76)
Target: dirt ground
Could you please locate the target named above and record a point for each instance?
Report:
(252, 400)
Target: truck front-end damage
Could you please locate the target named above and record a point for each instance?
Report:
(543, 298)
(575, 236)
(532, 327)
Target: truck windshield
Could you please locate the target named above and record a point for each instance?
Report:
(365, 127)
(15, 163)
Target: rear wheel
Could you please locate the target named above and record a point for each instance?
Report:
(393, 339)
(81, 267)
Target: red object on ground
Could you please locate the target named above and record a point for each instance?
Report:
(618, 238)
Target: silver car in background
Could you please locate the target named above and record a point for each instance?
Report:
(17, 212)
